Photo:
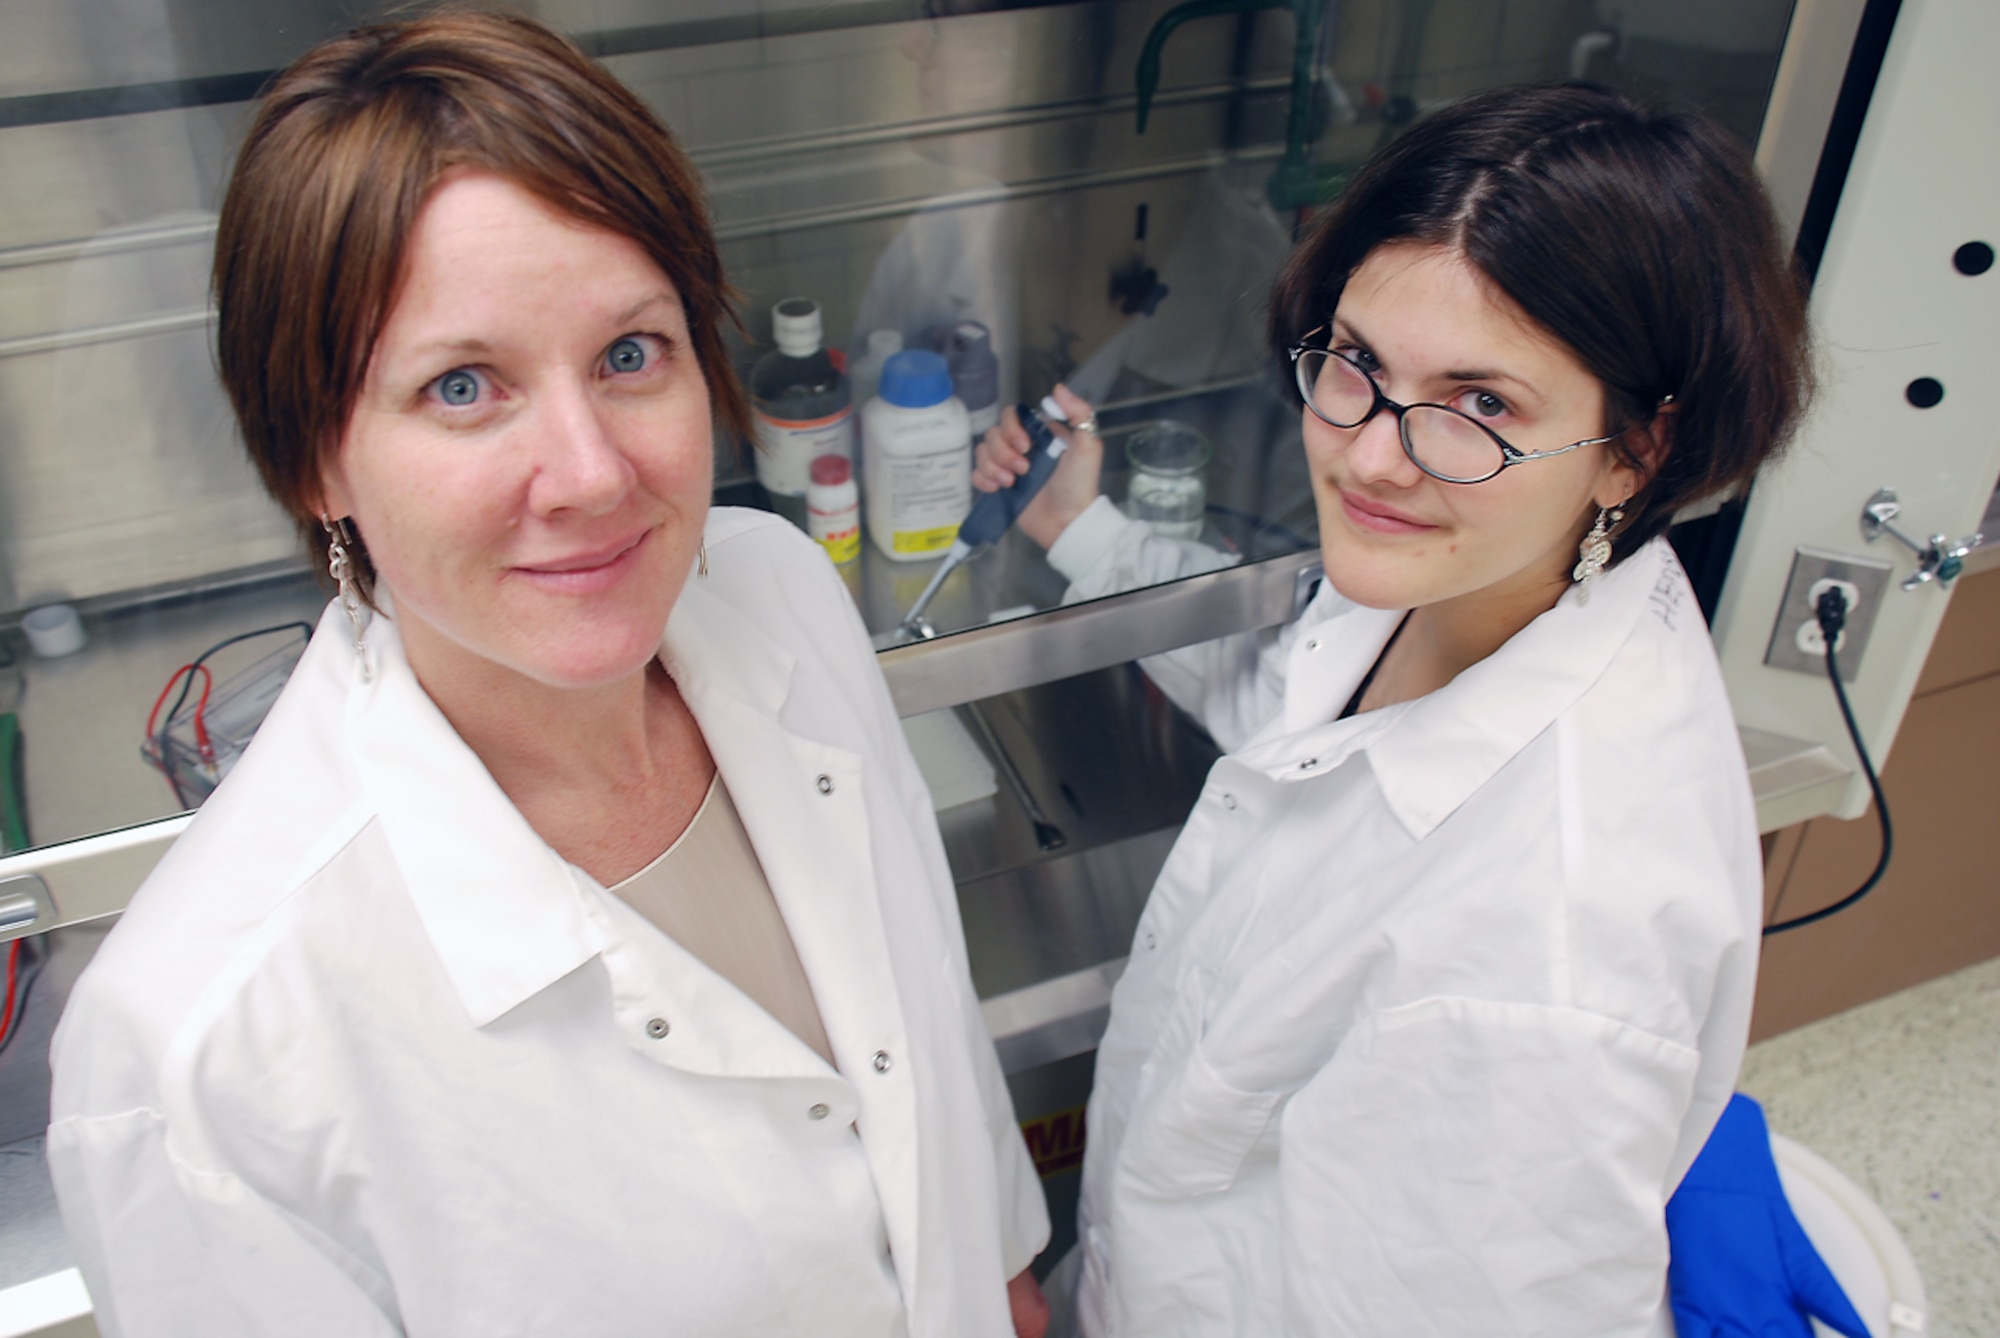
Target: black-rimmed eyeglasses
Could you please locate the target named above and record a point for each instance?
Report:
(1448, 444)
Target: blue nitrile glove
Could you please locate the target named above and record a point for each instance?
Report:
(1741, 1263)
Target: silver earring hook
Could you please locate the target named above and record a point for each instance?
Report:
(340, 566)
(1594, 553)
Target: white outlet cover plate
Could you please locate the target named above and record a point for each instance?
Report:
(1811, 568)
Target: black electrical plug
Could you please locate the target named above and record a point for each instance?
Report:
(1831, 611)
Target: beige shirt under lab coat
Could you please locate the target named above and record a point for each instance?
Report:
(1432, 1007)
(366, 1056)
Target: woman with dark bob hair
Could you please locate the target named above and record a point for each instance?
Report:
(1449, 974)
(574, 951)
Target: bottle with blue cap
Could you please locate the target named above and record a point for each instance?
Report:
(916, 445)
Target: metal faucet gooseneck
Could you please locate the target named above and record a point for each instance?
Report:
(1295, 184)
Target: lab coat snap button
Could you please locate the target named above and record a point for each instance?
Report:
(1229, 802)
(1313, 644)
(818, 1110)
(824, 784)
(657, 1027)
(881, 1061)
(1309, 764)
(1152, 940)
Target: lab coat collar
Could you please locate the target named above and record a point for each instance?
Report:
(711, 647)
(1432, 754)
(495, 899)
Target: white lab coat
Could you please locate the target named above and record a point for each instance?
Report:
(1431, 1008)
(367, 1057)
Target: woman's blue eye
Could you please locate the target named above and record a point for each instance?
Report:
(458, 388)
(626, 355)
(1487, 404)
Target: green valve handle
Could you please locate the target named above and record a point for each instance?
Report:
(13, 785)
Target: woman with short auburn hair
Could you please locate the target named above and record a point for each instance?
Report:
(1450, 972)
(573, 950)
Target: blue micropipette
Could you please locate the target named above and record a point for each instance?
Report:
(993, 513)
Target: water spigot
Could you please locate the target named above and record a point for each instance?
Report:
(1295, 183)
(1938, 559)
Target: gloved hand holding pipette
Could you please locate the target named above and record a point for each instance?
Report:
(1003, 455)
(1020, 458)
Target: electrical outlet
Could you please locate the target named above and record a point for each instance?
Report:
(1796, 641)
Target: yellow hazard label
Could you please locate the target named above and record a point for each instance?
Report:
(1055, 1141)
(842, 545)
(923, 541)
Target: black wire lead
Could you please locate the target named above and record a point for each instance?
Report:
(166, 721)
(1832, 614)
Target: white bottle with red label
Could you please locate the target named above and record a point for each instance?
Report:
(800, 403)
(833, 508)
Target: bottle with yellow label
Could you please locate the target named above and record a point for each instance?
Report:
(917, 454)
(833, 508)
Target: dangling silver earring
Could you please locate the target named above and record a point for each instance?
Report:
(340, 566)
(702, 550)
(1595, 550)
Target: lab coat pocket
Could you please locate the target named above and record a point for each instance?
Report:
(1192, 1138)
(1193, 1128)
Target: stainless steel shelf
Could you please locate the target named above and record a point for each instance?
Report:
(1061, 643)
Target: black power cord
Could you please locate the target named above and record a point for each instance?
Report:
(1831, 611)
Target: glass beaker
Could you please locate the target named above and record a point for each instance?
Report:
(1169, 485)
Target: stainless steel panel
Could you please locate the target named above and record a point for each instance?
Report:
(998, 658)
(92, 878)
(25, 907)
(1052, 1019)
(827, 133)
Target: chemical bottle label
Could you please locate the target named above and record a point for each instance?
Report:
(842, 545)
(787, 447)
(838, 531)
(923, 541)
(927, 496)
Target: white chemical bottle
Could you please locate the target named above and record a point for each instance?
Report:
(833, 508)
(800, 403)
(916, 449)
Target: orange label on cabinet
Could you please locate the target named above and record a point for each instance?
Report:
(1055, 1141)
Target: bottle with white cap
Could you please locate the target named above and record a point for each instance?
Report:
(800, 403)
(916, 447)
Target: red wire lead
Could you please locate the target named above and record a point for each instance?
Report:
(13, 966)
